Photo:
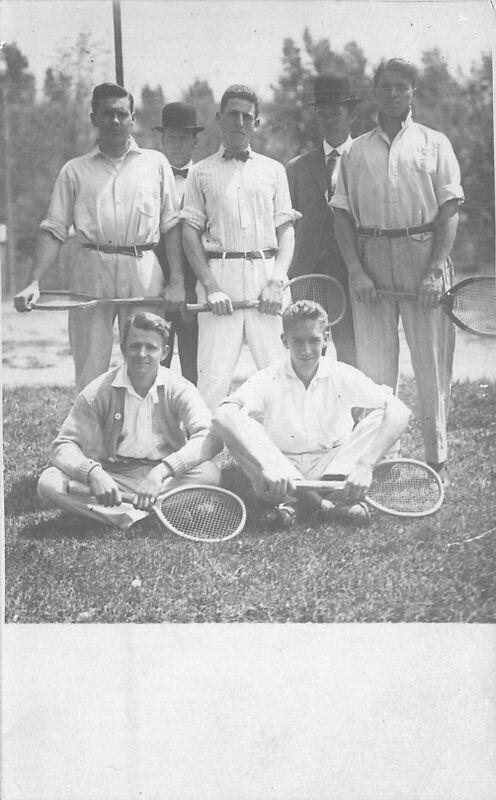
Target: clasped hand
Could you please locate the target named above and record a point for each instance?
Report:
(357, 483)
(28, 297)
(105, 489)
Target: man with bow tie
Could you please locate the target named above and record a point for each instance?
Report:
(312, 181)
(238, 236)
(179, 139)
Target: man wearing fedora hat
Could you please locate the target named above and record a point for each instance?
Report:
(312, 180)
(179, 139)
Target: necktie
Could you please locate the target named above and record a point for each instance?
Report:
(182, 172)
(330, 167)
(244, 156)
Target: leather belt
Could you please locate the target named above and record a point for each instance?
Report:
(393, 233)
(126, 250)
(272, 251)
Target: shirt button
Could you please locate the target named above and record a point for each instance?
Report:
(117, 415)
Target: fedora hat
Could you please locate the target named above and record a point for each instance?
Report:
(179, 115)
(335, 89)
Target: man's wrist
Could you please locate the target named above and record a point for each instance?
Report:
(434, 271)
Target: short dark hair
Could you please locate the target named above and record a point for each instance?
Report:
(303, 309)
(104, 90)
(240, 92)
(147, 322)
(405, 69)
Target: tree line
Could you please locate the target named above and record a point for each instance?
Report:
(48, 130)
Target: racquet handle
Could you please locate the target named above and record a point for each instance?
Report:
(400, 295)
(76, 488)
(332, 487)
(199, 307)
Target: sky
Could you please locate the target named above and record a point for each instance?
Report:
(170, 42)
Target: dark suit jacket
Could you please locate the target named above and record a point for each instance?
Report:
(316, 249)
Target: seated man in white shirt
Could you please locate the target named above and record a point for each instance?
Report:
(306, 428)
(138, 428)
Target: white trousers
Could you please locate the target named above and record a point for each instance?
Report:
(337, 461)
(220, 339)
(107, 275)
(400, 264)
(52, 490)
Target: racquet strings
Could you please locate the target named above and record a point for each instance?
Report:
(474, 305)
(203, 513)
(321, 289)
(405, 487)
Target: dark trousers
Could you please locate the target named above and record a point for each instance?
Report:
(186, 331)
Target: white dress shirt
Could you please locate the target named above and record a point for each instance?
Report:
(138, 438)
(308, 420)
(344, 147)
(398, 184)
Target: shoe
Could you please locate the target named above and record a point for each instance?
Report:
(442, 471)
(358, 513)
(285, 515)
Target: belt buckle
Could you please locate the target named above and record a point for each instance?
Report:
(137, 253)
(380, 233)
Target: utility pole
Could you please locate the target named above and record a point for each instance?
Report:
(119, 67)
(10, 286)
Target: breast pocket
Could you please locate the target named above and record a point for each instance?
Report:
(423, 159)
(148, 203)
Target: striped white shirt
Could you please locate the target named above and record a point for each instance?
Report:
(237, 205)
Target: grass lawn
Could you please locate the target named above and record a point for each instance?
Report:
(63, 569)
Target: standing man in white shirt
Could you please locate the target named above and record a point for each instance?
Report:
(396, 215)
(312, 181)
(179, 139)
(120, 198)
(238, 236)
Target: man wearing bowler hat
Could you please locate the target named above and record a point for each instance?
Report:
(312, 180)
(179, 139)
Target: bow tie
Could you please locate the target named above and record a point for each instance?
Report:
(244, 156)
(182, 172)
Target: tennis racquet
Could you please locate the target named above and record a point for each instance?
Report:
(322, 289)
(471, 304)
(196, 512)
(402, 487)
(64, 301)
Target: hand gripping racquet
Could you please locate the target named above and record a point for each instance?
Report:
(471, 304)
(322, 289)
(402, 487)
(196, 512)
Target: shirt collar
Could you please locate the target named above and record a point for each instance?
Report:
(406, 123)
(222, 150)
(341, 148)
(133, 147)
(323, 370)
(122, 381)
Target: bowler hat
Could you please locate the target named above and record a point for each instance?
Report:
(179, 115)
(335, 89)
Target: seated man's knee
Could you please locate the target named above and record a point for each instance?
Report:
(50, 483)
(210, 473)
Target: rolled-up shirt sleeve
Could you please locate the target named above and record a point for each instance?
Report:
(194, 208)
(448, 178)
(60, 215)
(169, 206)
(283, 210)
